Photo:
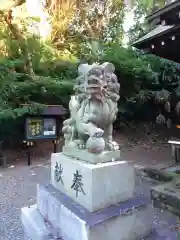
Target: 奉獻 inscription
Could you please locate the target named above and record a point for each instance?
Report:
(77, 183)
(59, 173)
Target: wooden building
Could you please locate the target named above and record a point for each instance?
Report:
(164, 39)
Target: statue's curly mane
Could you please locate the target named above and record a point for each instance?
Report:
(106, 76)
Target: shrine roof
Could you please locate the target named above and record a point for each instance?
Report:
(162, 41)
(159, 30)
(168, 9)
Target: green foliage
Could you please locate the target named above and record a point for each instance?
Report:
(142, 8)
(142, 78)
(146, 81)
(18, 88)
(137, 71)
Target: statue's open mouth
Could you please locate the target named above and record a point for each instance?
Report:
(93, 80)
(93, 89)
(93, 86)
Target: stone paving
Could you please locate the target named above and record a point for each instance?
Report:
(18, 189)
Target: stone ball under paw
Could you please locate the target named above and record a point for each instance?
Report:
(72, 144)
(95, 145)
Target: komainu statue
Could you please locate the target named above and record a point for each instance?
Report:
(93, 109)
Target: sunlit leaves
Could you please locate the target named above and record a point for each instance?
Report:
(142, 8)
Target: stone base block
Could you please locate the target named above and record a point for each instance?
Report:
(25, 236)
(127, 221)
(31, 216)
(94, 186)
(34, 225)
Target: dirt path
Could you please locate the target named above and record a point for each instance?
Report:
(137, 145)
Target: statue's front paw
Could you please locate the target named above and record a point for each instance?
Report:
(80, 144)
(98, 133)
(112, 146)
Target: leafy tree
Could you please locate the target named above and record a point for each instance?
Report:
(141, 9)
(38, 71)
(147, 5)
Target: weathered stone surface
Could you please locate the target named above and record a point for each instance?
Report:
(94, 186)
(26, 236)
(131, 222)
(50, 200)
(157, 174)
(50, 209)
(167, 194)
(130, 227)
(160, 231)
(84, 155)
(34, 225)
(93, 109)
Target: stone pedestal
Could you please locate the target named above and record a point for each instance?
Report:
(56, 216)
(88, 202)
(97, 185)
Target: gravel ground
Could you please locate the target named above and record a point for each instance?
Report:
(18, 189)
